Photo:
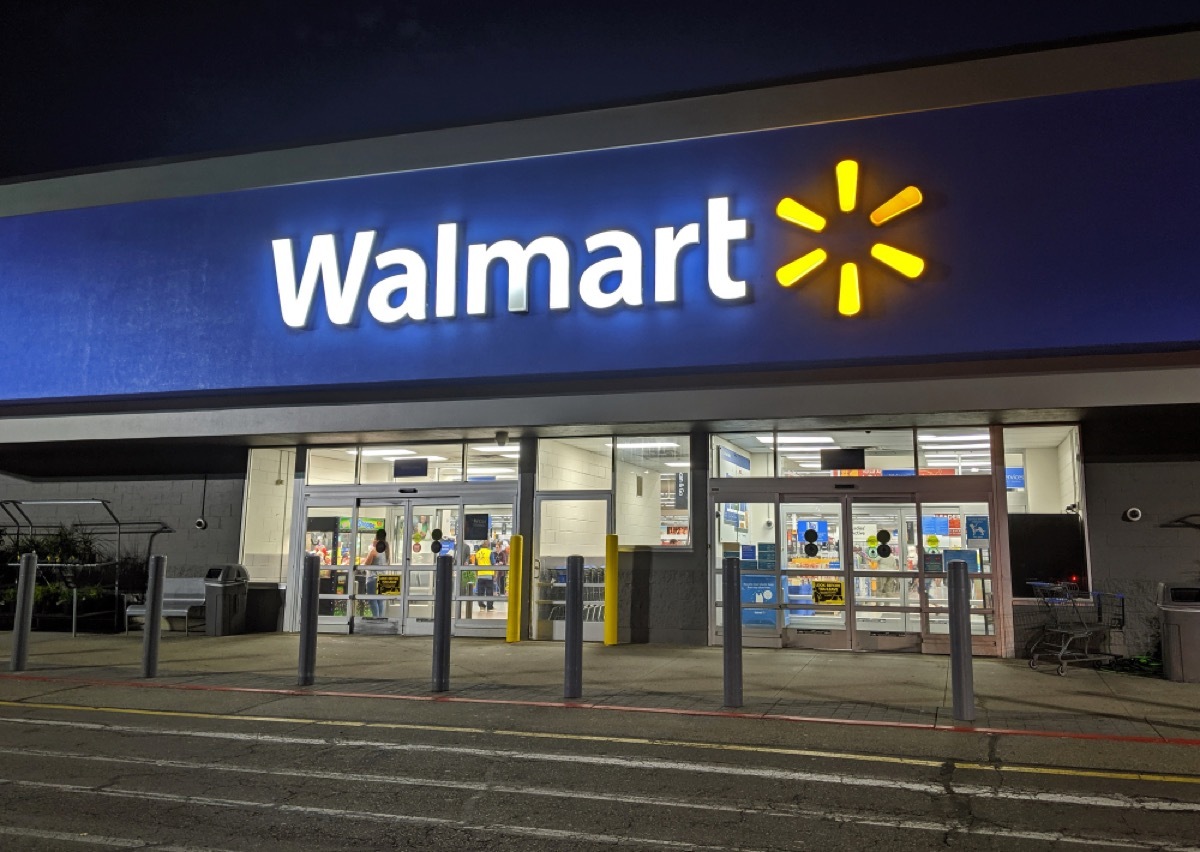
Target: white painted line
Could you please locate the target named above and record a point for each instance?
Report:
(101, 840)
(1114, 800)
(371, 816)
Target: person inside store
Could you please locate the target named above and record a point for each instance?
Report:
(377, 555)
(485, 577)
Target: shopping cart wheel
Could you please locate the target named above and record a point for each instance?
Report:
(1062, 668)
(1033, 662)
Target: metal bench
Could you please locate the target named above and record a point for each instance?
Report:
(183, 592)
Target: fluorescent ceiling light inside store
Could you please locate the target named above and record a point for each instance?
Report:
(804, 439)
(428, 458)
(933, 439)
(941, 447)
(391, 451)
(679, 464)
(970, 455)
(495, 448)
(646, 445)
(483, 471)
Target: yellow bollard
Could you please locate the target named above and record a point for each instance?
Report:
(516, 552)
(610, 590)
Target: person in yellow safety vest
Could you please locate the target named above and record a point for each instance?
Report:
(485, 577)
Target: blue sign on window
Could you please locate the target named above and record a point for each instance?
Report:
(822, 528)
(759, 590)
(935, 525)
(1014, 477)
(978, 528)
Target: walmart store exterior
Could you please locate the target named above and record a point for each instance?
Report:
(846, 330)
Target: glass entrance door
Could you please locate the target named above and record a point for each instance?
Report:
(885, 586)
(858, 572)
(569, 526)
(815, 600)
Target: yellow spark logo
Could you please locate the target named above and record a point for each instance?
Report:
(849, 296)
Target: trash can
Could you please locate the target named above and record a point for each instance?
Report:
(225, 589)
(1179, 607)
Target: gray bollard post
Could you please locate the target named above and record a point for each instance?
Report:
(962, 676)
(310, 598)
(731, 608)
(152, 630)
(573, 630)
(23, 616)
(443, 599)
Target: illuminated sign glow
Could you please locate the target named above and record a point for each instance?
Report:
(849, 292)
(604, 283)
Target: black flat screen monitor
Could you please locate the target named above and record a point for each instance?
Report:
(843, 459)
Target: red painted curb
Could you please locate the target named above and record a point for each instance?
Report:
(583, 705)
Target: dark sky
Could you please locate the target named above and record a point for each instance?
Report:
(84, 83)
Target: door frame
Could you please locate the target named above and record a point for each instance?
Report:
(388, 494)
(919, 490)
(590, 633)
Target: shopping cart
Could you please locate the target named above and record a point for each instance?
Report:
(1073, 623)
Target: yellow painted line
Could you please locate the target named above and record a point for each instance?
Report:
(642, 741)
(1108, 774)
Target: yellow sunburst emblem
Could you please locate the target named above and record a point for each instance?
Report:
(849, 296)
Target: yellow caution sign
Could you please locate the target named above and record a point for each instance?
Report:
(831, 592)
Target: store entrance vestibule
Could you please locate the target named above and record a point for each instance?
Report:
(852, 572)
(394, 593)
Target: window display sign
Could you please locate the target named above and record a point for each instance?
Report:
(387, 584)
(759, 590)
(831, 592)
(822, 528)
(758, 617)
(475, 527)
(978, 530)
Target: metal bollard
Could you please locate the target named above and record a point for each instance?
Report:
(962, 675)
(731, 608)
(309, 608)
(152, 631)
(23, 616)
(573, 630)
(443, 598)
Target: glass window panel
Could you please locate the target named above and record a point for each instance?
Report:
(956, 531)
(569, 528)
(483, 575)
(653, 489)
(958, 451)
(575, 464)
(423, 463)
(884, 537)
(266, 536)
(884, 452)
(737, 455)
(1041, 469)
(326, 535)
(332, 466)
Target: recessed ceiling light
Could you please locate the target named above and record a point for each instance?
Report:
(495, 448)
(645, 445)
(933, 439)
(795, 439)
(679, 464)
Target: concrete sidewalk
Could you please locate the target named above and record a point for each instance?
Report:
(907, 689)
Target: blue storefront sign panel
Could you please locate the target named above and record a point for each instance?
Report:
(657, 258)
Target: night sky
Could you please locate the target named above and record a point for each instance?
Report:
(87, 84)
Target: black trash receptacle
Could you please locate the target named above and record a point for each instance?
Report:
(225, 589)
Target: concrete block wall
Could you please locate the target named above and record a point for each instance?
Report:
(639, 518)
(1133, 558)
(173, 501)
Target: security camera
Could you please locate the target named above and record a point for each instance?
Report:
(501, 438)
(201, 524)
(1132, 515)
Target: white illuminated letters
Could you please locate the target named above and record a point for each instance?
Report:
(626, 267)
(721, 232)
(480, 255)
(611, 276)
